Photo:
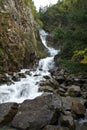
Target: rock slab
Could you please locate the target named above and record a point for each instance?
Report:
(36, 114)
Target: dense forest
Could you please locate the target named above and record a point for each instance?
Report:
(66, 21)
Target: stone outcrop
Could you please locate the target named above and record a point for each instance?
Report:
(20, 44)
(37, 113)
(46, 112)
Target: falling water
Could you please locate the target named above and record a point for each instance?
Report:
(27, 88)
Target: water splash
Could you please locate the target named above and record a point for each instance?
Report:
(27, 88)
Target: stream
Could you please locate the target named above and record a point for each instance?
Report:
(27, 88)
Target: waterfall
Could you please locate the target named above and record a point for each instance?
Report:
(27, 88)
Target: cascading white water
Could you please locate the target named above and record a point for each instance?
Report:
(27, 88)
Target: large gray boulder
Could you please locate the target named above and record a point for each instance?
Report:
(36, 114)
(78, 109)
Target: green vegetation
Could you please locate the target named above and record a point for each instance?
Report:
(36, 15)
(80, 56)
(73, 67)
(19, 42)
(67, 22)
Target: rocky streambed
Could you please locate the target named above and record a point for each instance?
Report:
(62, 106)
(61, 103)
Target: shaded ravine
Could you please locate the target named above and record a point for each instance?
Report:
(27, 88)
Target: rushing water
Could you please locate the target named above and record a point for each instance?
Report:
(27, 88)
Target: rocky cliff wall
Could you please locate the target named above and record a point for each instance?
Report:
(19, 45)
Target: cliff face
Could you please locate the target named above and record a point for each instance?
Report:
(18, 37)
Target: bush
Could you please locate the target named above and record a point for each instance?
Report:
(58, 33)
(73, 67)
(80, 56)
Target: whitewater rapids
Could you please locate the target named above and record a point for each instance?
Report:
(27, 88)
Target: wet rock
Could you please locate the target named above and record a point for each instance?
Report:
(4, 79)
(54, 71)
(46, 89)
(78, 109)
(28, 73)
(36, 114)
(45, 83)
(7, 112)
(74, 91)
(54, 83)
(46, 77)
(53, 127)
(67, 102)
(67, 121)
(50, 82)
(37, 75)
(22, 75)
(16, 78)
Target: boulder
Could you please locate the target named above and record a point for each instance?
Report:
(53, 127)
(67, 121)
(16, 78)
(60, 79)
(66, 103)
(36, 114)
(7, 112)
(46, 89)
(54, 83)
(60, 91)
(50, 82)
(4, 79)
(45, 83)
(74, 91)
(47, 77)
(54, 71)
(22, 75)
(78, 109)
